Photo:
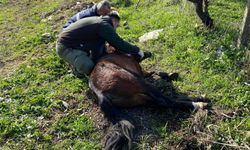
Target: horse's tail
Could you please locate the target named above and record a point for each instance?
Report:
(121, 132)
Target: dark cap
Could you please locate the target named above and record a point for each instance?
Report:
(114, 14)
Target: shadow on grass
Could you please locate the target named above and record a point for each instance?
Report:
(155, 124)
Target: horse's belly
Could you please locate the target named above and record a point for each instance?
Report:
(137, 99)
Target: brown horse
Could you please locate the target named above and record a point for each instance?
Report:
(118, 81)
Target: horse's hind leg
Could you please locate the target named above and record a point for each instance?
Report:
(184, 105)
(158, 99)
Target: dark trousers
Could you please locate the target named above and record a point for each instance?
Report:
(83, 58)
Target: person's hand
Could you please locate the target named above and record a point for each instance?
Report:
(110, 49)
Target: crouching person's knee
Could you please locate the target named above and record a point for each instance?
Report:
(84, 65)
(86, 68)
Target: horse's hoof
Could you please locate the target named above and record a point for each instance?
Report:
(169, 77)
(201, 105)
(174, 76)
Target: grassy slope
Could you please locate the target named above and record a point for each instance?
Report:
(35, 86)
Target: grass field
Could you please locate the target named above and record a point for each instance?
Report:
(43, 106)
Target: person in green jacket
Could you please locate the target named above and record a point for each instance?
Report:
(83, 42)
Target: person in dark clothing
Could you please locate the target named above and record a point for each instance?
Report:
(101, 9)
(83, 42)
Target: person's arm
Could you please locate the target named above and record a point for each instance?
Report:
(82, 14)
(108, 33)
(89, 12)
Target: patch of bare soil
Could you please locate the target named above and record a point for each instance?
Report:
(202, 130)
(1, 64)
(9, 66)
(58, 16)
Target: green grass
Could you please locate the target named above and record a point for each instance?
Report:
(43, 106)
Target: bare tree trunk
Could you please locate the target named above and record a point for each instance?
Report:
(245, 29)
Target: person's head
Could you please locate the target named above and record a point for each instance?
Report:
(103, 8)
(115, 17)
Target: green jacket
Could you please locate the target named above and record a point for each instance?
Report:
(95, 29)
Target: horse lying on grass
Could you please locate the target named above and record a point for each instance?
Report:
(118, 81)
